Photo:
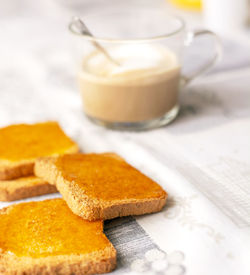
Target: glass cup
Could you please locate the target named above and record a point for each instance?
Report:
(130, 71)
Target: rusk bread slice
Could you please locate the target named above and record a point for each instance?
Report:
(22, 144)
(24, 187)
(45, 237)
(101, 186)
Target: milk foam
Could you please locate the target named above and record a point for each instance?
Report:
(132, 58)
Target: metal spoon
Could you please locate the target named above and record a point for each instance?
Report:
(78, 27)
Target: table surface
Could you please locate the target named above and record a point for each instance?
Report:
(202, 159)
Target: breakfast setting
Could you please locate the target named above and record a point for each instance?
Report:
(124, 137)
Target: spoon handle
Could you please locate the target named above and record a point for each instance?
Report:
(77, 26)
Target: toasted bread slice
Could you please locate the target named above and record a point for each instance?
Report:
(101, 186)
(26, 187)
(45, 237)
(22, 144)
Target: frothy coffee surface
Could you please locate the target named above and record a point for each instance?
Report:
(143, 87)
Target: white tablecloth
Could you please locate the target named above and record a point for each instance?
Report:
(202, 159)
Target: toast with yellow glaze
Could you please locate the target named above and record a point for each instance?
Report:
(45, 237)
(101, 186)
(22, 144)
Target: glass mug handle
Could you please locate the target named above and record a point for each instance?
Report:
(210, 63)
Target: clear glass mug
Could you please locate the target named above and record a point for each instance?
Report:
(136, 86)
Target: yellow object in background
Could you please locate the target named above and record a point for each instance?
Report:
(187, 4)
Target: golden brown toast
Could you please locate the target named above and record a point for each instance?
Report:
(101, 186)
(45, 237)
(24, 187)
(22, 144)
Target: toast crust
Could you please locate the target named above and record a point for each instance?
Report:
(12, 166)
(24, 188)
(91, 208)
(92, 262)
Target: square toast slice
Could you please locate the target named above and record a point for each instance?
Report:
(22, 144)
(101, 186)
(25, 187)
(45, 237)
